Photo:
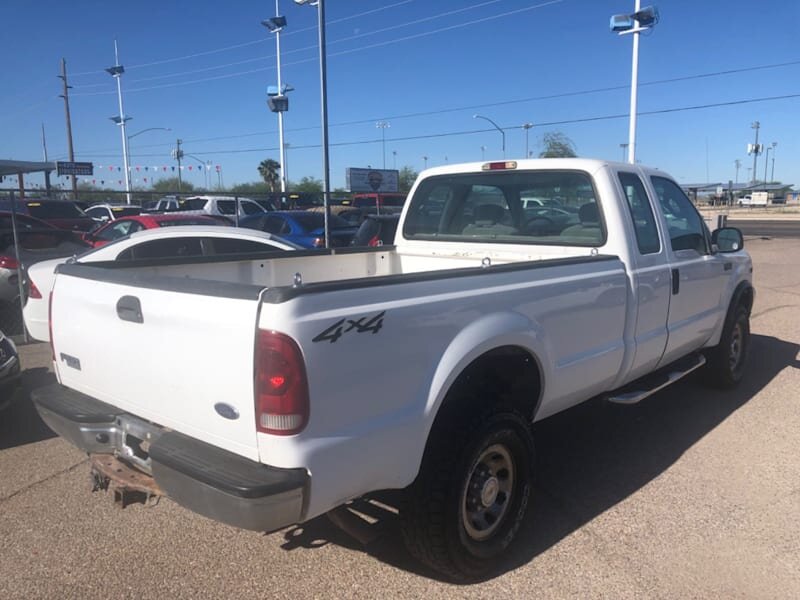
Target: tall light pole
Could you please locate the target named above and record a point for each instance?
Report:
(766, 163)
(275, 25)
(772, 178)
(383, 126)
(394, 159)
(116, 72)
(323, 85)
(425, 162)
(483, 152)
(755, 149)
(624, 150)
(496, 126)
(737, 163)
(527, 128)
(640, 20)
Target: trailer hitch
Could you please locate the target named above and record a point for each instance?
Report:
(129, 485)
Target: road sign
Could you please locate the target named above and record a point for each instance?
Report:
(372, 180)
(74, 168)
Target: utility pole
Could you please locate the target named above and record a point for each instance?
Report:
(755, 126)
(65, 96)
(738, 165)
(177, 154)
(527, 128)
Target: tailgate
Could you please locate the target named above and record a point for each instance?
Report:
(177, 352)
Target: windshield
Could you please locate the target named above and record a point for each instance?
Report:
(55, 210)
(493, 207)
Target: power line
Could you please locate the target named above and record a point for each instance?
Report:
(343, 52)
(372, 32)
(476, 131)
(250, 43)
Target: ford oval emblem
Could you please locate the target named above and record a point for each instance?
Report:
(226, 411)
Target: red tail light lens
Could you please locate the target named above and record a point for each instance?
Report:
(281, 386)
(8, 262)
(34, 292)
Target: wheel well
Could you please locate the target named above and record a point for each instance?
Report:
(745, 298)
(507, 375)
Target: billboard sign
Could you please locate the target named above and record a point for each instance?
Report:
(74, 168)
(373, 180)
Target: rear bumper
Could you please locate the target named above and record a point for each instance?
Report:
(205, 479)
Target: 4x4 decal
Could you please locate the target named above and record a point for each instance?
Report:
(361, 325)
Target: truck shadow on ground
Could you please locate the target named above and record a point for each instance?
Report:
(590, 458)
(20, 424)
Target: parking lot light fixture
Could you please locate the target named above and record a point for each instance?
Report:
(323, 85)
(116, 72)
(642, 19)
(276, 24)
(496, 126)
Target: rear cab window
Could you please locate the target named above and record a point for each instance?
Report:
(549, 207)
(644, 221)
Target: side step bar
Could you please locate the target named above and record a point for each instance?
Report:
(649, 385)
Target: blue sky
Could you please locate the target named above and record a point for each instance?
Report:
(202, 69)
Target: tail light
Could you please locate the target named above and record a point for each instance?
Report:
(281, 386)
(50, 325)
(8, 262)
(375, 241)
(33, 291)
(318, 242)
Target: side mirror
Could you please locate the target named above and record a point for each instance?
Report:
(727, 239)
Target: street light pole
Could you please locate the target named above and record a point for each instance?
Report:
(634, 92)
(496, 126)
(116, 72)
(756, 125)
(772, 178)
(527, 128)
(323, 84)
(737, 163)
(766, 164)
(382, 125)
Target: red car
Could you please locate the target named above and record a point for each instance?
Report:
(127, 225)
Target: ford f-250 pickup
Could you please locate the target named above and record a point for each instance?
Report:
(264, 390)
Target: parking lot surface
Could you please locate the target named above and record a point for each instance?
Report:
(694, 493)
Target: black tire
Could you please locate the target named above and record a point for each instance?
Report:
(467, 504)
(727, 360)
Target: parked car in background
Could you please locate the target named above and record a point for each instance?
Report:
(304, 227)
(378, 200)
(224, 206)
(9, 370)
(112, 212)
(128, 225)
(37, 241)
(181, 241)
(376, 230)
(59, 213)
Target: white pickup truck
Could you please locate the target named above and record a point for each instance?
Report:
(264, 390)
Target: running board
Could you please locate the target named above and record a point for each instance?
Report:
(649, 385)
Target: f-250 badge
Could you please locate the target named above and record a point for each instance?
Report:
(362, 325)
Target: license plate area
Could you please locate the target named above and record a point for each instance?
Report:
(135, 437)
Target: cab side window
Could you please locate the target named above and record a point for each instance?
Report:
(644, 221)
(686, 228)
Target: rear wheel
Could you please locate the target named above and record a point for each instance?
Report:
(726, 361)
(467, 504)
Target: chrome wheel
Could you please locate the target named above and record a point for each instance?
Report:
(488, 493)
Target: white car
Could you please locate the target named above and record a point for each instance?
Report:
(211, 205)
(184, 241)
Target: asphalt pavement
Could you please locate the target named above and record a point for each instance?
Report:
(693, 493)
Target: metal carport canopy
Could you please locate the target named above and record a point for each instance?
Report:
(15, 167)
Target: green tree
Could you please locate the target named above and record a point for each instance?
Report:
(269, 170)
(308, 185)
(251, 189)
(406, 178)
(557, 145)
(165, 186)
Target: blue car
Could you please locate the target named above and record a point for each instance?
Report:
(304, 228)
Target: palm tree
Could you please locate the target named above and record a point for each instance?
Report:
(269, 169)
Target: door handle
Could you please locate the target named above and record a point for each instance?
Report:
(130, 309)
(676, 281)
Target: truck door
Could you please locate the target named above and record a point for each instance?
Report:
(651, 278)
(697, 275)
